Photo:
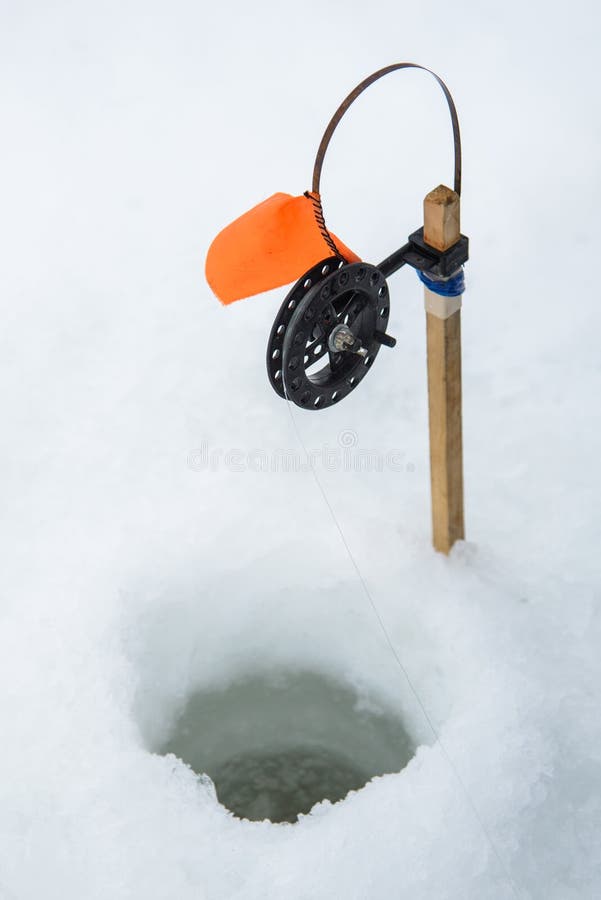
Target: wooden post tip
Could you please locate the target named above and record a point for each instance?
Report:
(442, 196)
(441, 218)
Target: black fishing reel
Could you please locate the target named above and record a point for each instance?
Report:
(328, 332)
(333, 322)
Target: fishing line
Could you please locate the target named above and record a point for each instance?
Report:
(437, 739)
(338, 311)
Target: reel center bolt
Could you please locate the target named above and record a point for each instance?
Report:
(342, 338)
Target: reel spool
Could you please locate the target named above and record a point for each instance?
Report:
(328, 332)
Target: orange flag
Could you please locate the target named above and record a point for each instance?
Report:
(269, 246)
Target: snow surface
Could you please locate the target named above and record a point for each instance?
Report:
(133, 576)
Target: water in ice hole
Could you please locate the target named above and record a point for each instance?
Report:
(274, 745)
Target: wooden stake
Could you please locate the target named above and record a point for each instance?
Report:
(443, 324)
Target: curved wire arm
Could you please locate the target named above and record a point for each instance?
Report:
(321, 152)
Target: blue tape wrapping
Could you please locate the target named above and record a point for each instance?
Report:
(448, 287)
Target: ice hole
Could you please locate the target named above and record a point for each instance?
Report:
(275, 745)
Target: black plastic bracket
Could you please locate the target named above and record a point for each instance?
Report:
(419, 255)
